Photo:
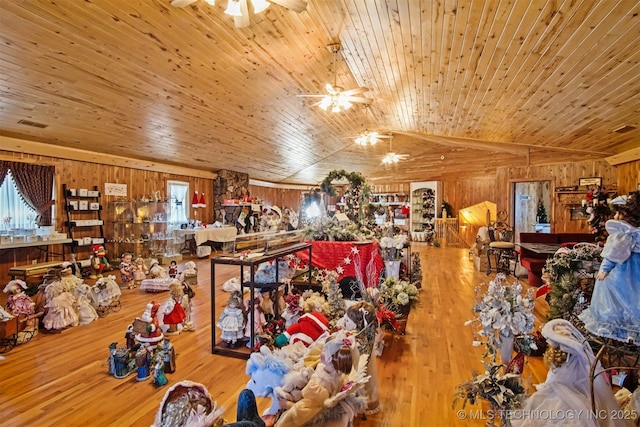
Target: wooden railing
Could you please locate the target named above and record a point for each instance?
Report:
(447, 232)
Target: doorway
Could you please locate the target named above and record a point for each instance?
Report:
(530, 200)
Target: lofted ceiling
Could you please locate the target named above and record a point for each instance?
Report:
(464, 86)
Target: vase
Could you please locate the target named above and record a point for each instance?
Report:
(392, 269)
(506, 348)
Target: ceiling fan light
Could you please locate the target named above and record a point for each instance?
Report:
(362, 140)
(325, 103)
(260, 5)
(233, 8)
(211, 2)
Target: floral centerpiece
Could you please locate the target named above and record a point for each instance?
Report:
(398, 295)
(503, 312)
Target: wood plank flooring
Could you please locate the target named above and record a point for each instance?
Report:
(62, 380)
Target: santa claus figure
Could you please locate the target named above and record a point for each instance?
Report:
(308, 329)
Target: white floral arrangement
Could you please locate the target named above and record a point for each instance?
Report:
(503, 311)
(392, 247)
(397, 295)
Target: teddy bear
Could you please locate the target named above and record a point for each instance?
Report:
(308, 329)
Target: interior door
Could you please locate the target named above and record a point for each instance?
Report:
(527, 195)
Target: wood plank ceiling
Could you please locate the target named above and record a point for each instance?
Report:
(464, 86)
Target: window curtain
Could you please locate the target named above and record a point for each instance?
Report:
(35, 184)
(4, 168)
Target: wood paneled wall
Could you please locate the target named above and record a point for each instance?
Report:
(77, 174)
(628, 176)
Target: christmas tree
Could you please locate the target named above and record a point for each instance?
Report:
(337, 306)
(541, 215)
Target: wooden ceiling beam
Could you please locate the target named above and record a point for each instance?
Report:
(624, 157)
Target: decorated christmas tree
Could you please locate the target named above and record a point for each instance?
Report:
(337, 306)
(541, 215)
(599, 213)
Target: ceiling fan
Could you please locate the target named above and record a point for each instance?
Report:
(370, 138)
(336, 99)
(392, 157)
(240, 12)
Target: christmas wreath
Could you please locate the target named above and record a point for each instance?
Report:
(355, 180)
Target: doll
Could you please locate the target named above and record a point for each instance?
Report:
(231, 320)
(86, 312)
(614, 311)
(266, 305)
(190, 274)
(327, 383)
(60, 307)
(173, 313)
(18, 302)
(157, 271)
(126, 271)
(173, 269)
(187, 305)
(140, 272)
(259, 320)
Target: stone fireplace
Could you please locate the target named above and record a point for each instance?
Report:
(229, 185)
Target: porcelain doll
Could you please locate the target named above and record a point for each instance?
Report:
(140, 272)
(157, 271)
(173, 313)
(187, 305)
(258, 321)
(614, 311)
(232, 320)
(18, 302)
(190, 274)
(69, 281)
(60, 304)
(86, 312)
(127, 270)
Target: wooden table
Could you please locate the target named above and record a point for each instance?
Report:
(548, 249)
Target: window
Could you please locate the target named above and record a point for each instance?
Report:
(14, 212)
(178, 191)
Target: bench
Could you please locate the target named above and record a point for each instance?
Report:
(23, 272)
(534, 262)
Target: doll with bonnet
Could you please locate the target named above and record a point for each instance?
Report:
(18, 302)
(232, 320)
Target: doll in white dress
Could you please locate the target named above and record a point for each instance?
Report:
(86, 312)
(60, 307)
(231, 320)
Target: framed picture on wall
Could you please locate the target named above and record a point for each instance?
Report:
(588, 182)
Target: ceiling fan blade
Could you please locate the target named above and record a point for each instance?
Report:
(295, 5)
(182, 3)
(359, 99)
(358, 90)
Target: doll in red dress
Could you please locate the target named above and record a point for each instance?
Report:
(174, 314)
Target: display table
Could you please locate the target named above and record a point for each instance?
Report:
(344, 257)
(251, 263)
(216, 234)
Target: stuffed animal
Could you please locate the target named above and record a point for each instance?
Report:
(308, 329)
(99, 262)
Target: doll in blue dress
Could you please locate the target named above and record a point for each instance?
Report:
(615, 305)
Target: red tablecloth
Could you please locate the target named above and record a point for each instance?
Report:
(344, 257)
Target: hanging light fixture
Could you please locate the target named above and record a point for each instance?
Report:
(233, 8)
(368, 138)
(391, 157)
(211, 2)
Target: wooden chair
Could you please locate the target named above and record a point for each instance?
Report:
(502, 249)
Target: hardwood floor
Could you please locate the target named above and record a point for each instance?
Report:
(62, 380)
